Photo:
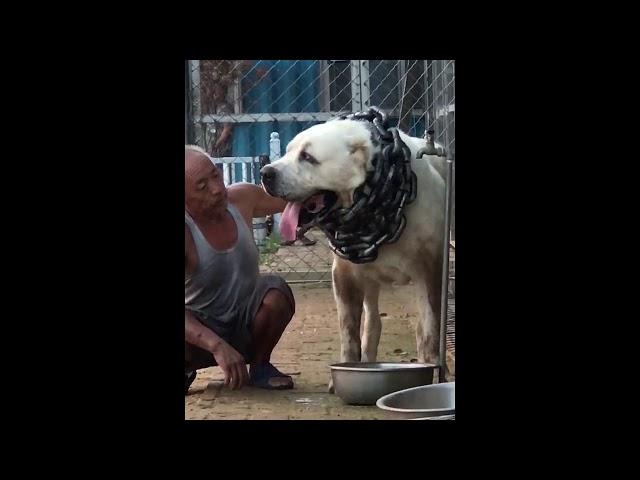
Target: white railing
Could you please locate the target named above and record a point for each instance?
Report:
(250, 165)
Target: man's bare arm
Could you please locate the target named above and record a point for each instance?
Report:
(197, 334)
(261, 202)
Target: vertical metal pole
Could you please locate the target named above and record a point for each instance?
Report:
(196, 112)
(356, 86)
(403, 75)
(365, 85)
(325, 86)
(190, 125)
(186, 102)
(427, 90)
(444, 303)
(274, 154)
(237, 96)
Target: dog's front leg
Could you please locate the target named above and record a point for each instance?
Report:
(428, 327)
(372, 325)
(349, 315)
(349, 298)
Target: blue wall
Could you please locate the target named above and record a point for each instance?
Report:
(290, 86)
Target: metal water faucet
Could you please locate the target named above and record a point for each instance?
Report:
(430, 148)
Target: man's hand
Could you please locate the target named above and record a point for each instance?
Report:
(232, 364)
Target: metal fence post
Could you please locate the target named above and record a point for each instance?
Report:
(274, 146)
(193, 71)
(274, 154)
(189, 136)
(443, 112)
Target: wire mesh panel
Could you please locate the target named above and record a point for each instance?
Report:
(234, 107)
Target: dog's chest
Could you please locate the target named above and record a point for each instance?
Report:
(386, 270)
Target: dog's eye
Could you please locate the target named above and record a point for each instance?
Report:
(305, 157)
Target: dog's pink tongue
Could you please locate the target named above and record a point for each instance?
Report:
(289, 221)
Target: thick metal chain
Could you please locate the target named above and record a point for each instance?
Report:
(376, 217)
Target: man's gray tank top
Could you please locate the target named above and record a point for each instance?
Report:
(223, 279)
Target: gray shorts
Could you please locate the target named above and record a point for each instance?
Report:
(238, 332)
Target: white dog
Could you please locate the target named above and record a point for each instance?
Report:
(326, 163)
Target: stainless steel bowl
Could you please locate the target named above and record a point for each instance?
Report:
(425, 401)
(443, 417)
(364, 383)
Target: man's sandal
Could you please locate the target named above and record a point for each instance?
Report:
(189, 377)
(260, 375)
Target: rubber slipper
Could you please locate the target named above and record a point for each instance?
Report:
(260, 375)
(189, 377)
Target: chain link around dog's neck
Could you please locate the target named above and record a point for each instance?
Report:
(376, 216)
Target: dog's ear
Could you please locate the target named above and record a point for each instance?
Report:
(355, 145)
(358, 151)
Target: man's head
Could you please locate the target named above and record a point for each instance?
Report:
(205, 193)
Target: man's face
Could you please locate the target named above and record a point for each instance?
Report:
(204, 188)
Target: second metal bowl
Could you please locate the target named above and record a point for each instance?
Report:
(419, 402)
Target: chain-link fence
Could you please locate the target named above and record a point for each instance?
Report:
(244, 112)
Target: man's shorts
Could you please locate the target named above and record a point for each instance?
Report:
(238, 332)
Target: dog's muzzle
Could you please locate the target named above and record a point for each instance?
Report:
(268, 174)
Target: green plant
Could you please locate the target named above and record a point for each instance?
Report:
(270, 247)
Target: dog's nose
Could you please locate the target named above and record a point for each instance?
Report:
(268, 174)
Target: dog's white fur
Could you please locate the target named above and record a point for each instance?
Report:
(343, 151)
